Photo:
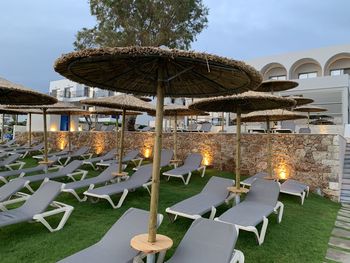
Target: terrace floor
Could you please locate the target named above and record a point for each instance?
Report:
(301, 237)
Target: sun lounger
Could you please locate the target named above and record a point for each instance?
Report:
(9, 143)
(139, 179)
(130, 156)
(70, 171)
(11, 162)
(208, 241)
(108, 156)
(35, 206)
(260, 202)
(205, 127)
(213, 194)
(81, 152)
(10, 189)
(24, 171)
(251, 179)
(104, 177)
(26, 151)
(293, 187)
(41, 156)
(115, 245)
(192, 163)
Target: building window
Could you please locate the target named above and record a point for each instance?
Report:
(67, 92)
(54, 93)
(86, 91)
(338, 72)
(111, 93)
(307, 75)
(280, 77)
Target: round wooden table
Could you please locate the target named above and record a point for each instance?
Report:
(175, 162)
(120, 176)
(237, 192)
(161, 245)
(48, 162)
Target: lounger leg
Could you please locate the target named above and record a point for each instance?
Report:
(302, 197)
(172, 217)
(120, 202)
(203, 168)
(212, 213)
(67, 161)
(67, 212)
(238, 257)
(151, 258)
(188, 178)
(146, 186)
(161, 256)
(263, 231)
(280, 207)
(29, 188)
(307, 191)
(3, 180)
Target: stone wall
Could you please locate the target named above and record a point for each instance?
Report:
(311, 158)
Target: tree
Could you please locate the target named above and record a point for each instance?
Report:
(172, 23)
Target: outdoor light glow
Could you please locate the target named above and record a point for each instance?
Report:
(80, 128)
(53, 127)
(282, 171)
(61, 141)
(207, 157)
(147, 152)
(99, 142)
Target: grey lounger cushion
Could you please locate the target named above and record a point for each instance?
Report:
(290, 185)
(35, 204)
(213, 194)
(108, 156)
(192, 163)
(63, 171)
(115, 245)
(10, 159)
(140, 177)
(251, 179)
(260, 202)
(206, 241)
(11, 188)
(105, 176)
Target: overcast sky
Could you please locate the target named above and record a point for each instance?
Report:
(34, 33)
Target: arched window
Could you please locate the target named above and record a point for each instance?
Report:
(338, 65)
(274, 71)
(305, 68)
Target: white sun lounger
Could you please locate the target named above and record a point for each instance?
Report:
(192, 163)
(260, 202)
(11, 162)
(130, 156)
(213, 194)
(104, 177)
(106, 157)
(115, 245)
(41, 156)
(25, 151)
(11, 189)
(35, 206)
(293, 187)
(208, 241)
(81, 152)
(251, 179)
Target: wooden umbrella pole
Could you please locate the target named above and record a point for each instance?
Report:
(69, 135)
(152, 227)
(238, 149)
(30, 130)
(175, 136)
(117, 131)
(45, 136)
(3, 128)
(308, 119)
(120, 161)
(223, 122)
(269, 147)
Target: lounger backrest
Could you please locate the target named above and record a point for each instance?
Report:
(107, 173)
(206, 127)
(264, 191)
(111, 153)
(206, 241)
(12, 187)
(42, 198)
(10, 159)
(133, 222)
(166, 156)
(71, 167)
(38, 147)
(218, 186)
(131, 155)
(142, 175)
(193, 160)
(81, 150)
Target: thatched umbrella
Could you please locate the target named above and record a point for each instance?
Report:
(276, 85)
(268, 116)
(44, 109)
(242, 103)
(16, 94)
(161, 72)
(69, 112)
(110, 111)
(308, 109)
(176, 111)
(123, 102)
(300, 100)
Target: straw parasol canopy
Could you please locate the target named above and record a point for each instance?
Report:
(300, 100)
(124, 102)
(162, 72)
(245, 102)
(109, 111)
(267, 116)
(277, 85)
(135, 70)
(16, 94)
(308, 109)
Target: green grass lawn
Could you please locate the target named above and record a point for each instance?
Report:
(301, 237)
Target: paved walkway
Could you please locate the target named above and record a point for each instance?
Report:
(339, 242)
